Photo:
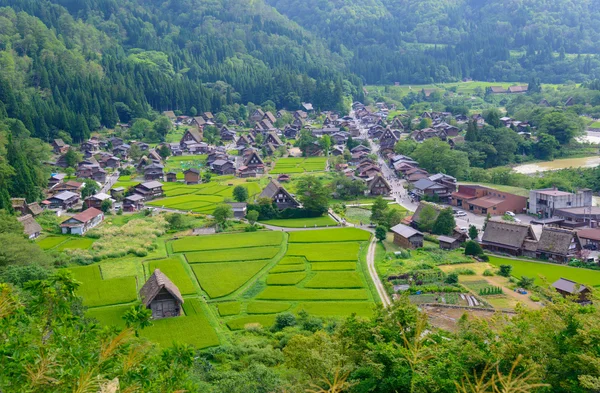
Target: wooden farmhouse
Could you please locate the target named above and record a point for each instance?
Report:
(571, 288)
(279, 195)
(161, 296)
(407, 237)
(80, 223)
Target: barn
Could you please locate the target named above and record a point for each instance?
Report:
(161, 296)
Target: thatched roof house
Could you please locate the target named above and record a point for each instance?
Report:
(279, 195)
(558, 245)
(30, 227)
(160, 295)
(507, 237)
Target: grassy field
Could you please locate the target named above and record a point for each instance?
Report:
(335, 280)
(302, 222)
(550, 272)
(330, 235)
(237, 254)
(267, 307)
(513, 190)
(285, 278)
(236, 240)
(323, 252)
(194, 328)
(174, 269)
(220, 279)
(294, 293)
(229, 308)
(293, 165)
(341, 309)
(265, 320)
(98, 292)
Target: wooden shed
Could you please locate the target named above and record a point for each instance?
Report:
(407, 237)
(448, 243)
(160, 295)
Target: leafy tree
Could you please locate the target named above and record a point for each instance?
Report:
(451, 278)
(473, 248)
(444, 223)
(284, 320)
(222, 213)
(72, 158)
(164, 151)
(546, 147)
(378, 209)
(90, 187)
(435, 156)
(135, 152)
(313, 195)
(473, 232)
(564, 126)
(305, 140)
(526, 282)
(162, 126)
(106, 205)
(405, 146)
(427, 218)
(138, 317)
(211, 135)
(381, 233)
(492, 117)
(240, 193)
(9, 223)
(472, 134)
(505, 270)
(252, 216)
(325, 143)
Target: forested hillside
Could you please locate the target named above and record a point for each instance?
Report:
(414, 41)
(71, 65)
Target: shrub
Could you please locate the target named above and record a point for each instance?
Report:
(505, 270)
(488, 273)
(473, 248)
(283, 320)
(431, 238)
(534, 298)
(464, 272)
(452, 278)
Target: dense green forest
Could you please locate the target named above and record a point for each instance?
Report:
(415, 41)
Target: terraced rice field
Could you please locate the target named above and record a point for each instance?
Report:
(293, 165)
(302, 222)
(246, 278)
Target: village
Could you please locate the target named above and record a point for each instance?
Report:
(452, 246)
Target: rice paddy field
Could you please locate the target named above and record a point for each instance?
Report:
(548, 271)
(232, 280)
(323, 221)
(295, 165)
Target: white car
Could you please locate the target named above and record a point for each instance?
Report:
(460, 214)
(510, 214)
(464, 229)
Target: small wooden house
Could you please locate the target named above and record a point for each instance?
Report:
(407, 237)
(448, 243)
(171, 177)
(192, 176)
(161, 296)
(571, 288)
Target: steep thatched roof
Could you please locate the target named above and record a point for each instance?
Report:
(417, 215)
(30, 226)
(158, 281)
(507, 234)
(556, 240)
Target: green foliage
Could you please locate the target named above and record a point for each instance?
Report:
(526, 282)
(488, 273)
(90, 187)
(444, 223)
(240, 193)
(313, 195)
(473, 248)
(473, 232)
(505, 270)
(283, 320)
(252, 217)
(451, 278)
(380, 233)
(265, 321)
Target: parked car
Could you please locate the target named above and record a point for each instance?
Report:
(510, 214)
(464, 229)
(460, 214)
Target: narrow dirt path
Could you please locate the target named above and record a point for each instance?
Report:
(385, 299)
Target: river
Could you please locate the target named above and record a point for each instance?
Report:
(582, 162)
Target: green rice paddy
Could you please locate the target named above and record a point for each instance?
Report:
(330, 235)
(228, 241)
(220, 279)
(234, 255)
(292, 165)
(302, 222)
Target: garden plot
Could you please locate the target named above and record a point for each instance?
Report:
(234, 255)
(98, 292)
(174, 269)
(323, 252)
(330, 235)
(230, 241)
(221, 279)
(194, 328)
(337, 309)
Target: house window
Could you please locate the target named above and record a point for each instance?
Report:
(568, 203)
